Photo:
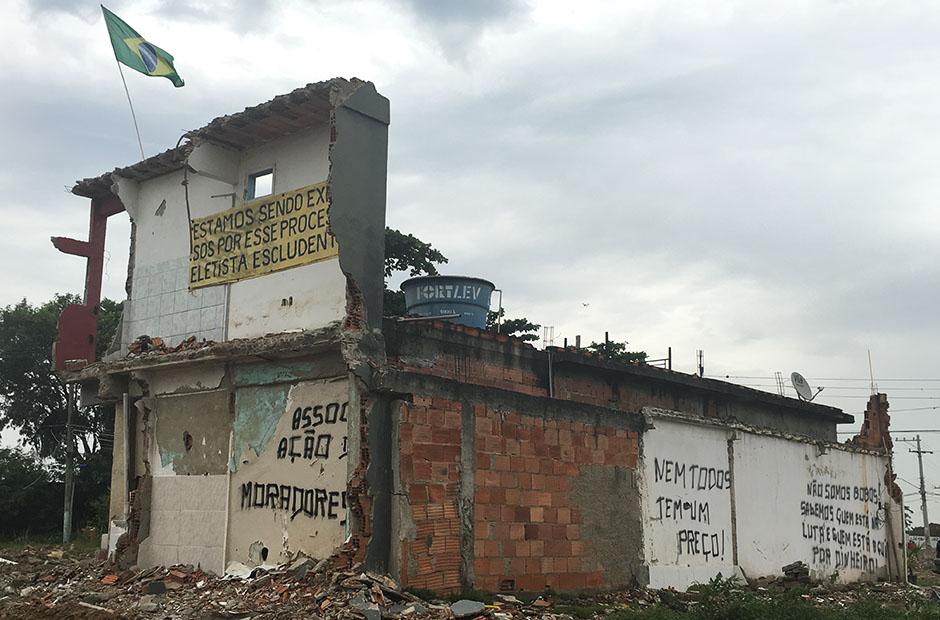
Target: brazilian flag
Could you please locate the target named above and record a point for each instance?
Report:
(134, 51)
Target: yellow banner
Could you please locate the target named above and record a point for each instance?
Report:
(263, 236)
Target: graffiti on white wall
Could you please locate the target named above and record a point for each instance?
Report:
(828, 508)
(686, 492)
(293, 494)
(313, 430)
(317, 434)
(688, 496)
(844, 523)
(792, 501)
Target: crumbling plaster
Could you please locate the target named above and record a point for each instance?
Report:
(191, 433)
(238, 397)
(289, 488)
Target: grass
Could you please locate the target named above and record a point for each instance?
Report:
(583, 612)
(789, 608)
(79, 546)
(722, 599)
(22, 540)
(747, 607)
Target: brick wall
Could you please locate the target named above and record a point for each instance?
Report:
(551, 500)
(468, 364)
(526, 529)
(429, 432)
(483, 358)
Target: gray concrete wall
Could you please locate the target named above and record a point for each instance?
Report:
(359, 159)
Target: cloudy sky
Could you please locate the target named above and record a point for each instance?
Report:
(756, 180)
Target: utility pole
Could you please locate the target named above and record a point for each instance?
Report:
(923, 491)
(69, 471)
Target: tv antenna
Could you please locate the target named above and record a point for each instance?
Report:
(803, 390)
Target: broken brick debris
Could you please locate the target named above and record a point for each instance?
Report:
(146, 345)
(34, 584)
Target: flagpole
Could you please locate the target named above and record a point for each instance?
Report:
(133, 116)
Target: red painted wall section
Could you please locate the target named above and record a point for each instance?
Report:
(78, 324)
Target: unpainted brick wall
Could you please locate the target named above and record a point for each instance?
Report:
(468, 368)
(430, 437)
(601, 390)
(526, 529)
(516, 372)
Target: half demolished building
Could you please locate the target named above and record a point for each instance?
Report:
(264, 408)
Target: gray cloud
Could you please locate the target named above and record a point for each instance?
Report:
(241, 16)
(756, 181)
(457, 26)
(85, 11)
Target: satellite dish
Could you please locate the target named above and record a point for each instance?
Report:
(801, 385)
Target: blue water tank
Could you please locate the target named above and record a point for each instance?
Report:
(445, 295)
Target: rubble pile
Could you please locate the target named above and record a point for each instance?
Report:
(43, 582)
(797, 571)
(155, 345)
(795, 575)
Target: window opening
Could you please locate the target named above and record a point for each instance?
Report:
(260, 184)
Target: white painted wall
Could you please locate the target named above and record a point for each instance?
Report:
(161, 303)
(305, 297)
(686, 504)
(830, 510)
(792, 501)
(291, 496)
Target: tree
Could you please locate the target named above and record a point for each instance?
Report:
(32, 398)
(33, 401)
(520, 328)
(30, 494)
(614, 350)
(406, 253)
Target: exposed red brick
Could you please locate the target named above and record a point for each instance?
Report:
(418, 493)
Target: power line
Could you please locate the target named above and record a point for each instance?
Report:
(915, 409)
(932, 465)
(916, 430)
(923, 491)
(847, 387)
(865, 380)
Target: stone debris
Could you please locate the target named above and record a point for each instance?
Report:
(39, 584)
(467, 609)
(146, 345)
(795, 575)
(796, 570)
(156, 587)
